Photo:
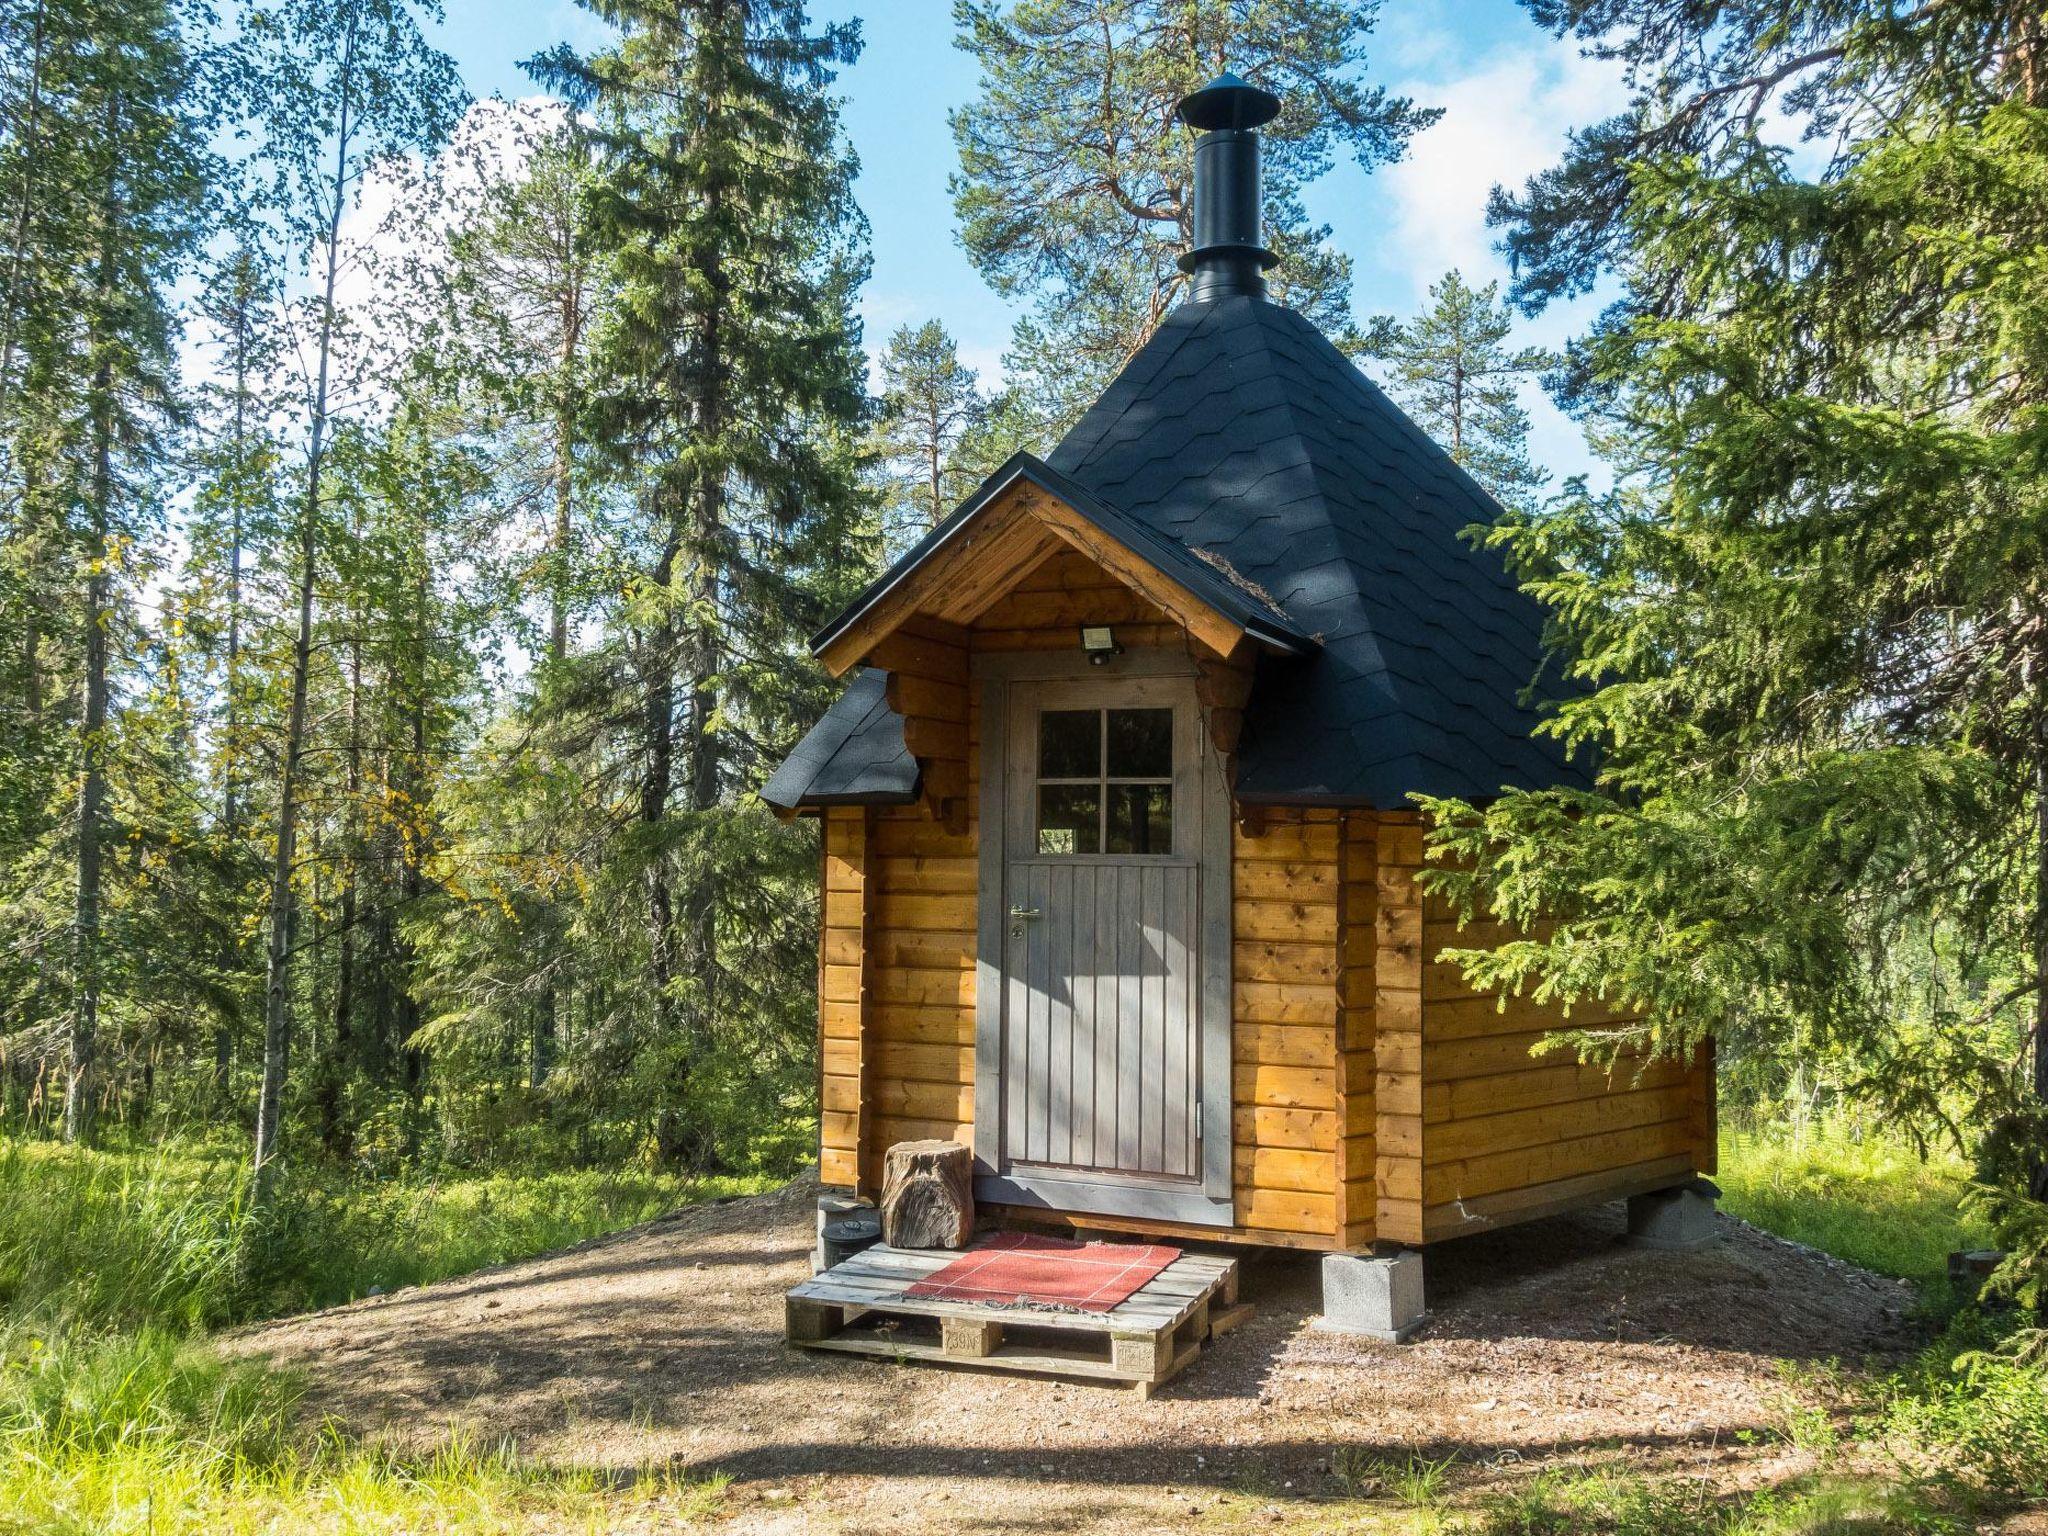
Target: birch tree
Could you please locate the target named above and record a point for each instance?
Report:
(337, 89)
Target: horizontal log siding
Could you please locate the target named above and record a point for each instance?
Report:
(1358, 947)
(921, 975)
(1507, 1135)
(1288, 977)
(1397, 1028)
(1288, 1076)
(1045, 610)
(842, 995)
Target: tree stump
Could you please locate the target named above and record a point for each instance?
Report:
(928, 1195)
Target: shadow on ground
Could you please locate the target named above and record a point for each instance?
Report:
(664, 1345)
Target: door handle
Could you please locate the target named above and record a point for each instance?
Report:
(1024, 912)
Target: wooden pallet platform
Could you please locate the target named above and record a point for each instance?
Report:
(859, 1306)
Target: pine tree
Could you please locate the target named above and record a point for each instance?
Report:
(1453, 372)
(1075, 176)
(931, 402)
(730, 395)
(1812, 619)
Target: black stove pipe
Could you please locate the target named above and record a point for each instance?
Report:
(1227, 259)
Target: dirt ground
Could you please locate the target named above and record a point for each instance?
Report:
(663, 1344)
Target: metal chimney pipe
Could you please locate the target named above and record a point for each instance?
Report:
(1227, 259)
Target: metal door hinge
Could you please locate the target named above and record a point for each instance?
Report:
(1198, 1122)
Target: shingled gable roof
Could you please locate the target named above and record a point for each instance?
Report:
(1212, 586)
(1240, 431)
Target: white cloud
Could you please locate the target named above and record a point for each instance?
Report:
(1501, 124)
(406, 216)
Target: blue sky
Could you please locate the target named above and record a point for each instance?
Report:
(1509, 93)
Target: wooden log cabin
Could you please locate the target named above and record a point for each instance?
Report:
(1120, 860)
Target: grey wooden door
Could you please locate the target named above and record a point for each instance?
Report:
(1103, 1060)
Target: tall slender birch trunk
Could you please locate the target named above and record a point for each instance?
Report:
(278, 958)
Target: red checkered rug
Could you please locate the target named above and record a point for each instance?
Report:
(1021, 1269)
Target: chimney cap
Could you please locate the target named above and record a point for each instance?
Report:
(1228, 102)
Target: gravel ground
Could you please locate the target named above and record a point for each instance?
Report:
(663, 1344)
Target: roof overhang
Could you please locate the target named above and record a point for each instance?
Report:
(1023, 512)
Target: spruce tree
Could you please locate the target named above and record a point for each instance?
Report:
(1452, 370)
(1075, 176)
(1811, 621)
(727, 390)
(931, 402)
(134, 144)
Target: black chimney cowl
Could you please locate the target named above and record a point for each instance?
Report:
(1227, 259)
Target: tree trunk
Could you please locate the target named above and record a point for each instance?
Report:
(927, 1195)
(412, 849)
(92, 790)
(277, 969)
(18, 244)
(231, 806)
(2040, 916)
(707, 530)
(336, 1068)
(564, 473)
(656, 777)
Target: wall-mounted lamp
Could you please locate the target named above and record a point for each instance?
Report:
(1099, 644)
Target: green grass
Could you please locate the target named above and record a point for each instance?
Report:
(166, 1237)
(115, 1414)
(1866, 1199)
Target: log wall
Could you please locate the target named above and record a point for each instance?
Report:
(1287, 991)
(1509, 1136)
(842, 992)
(1374, 1096)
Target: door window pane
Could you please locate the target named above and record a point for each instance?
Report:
(1140, 818)
(1141, 743)
(1070, 744)
(1069, 816)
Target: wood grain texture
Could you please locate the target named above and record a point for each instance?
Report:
(1508, 1132)
(927, 1194)
(1286, 999)
(921, 965)
(842, 996)
(1374, 1095)
(1353, 1043)
(1396, 990)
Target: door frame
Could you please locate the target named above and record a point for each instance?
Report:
(1209, 1201)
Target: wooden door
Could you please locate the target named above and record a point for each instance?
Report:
(1107, 1082)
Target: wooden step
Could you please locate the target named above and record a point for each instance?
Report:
(860, 1307)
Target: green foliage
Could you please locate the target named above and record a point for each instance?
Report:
(167, 1239)
(1452, 371)
(1801, 634)
(1859, 1193)
(114, 1412)
(931, 404)
(1416, 1480)
(1074, 181)
(1972, 1420)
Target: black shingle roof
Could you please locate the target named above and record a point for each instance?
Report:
(1250, 611)
(1239, 430)
(853, 756)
